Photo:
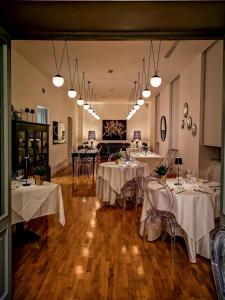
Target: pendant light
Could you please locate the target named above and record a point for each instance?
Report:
(140, 100)
(58, 80)
(80, 101)
(146, 93)
(72, 93)
(156, 80)
(90, 110)
(86, 105)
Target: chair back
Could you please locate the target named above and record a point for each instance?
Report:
(169, 158)
(155, 189)
(218, 261)
(112, 157)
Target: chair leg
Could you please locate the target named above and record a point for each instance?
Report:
(172, 239)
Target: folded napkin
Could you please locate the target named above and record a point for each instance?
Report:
(205, 189)
(179, 189)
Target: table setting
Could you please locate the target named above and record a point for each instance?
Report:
(196, 205)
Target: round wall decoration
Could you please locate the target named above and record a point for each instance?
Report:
(185, 109)
(194, 130)
(189, 123)
(182, 124)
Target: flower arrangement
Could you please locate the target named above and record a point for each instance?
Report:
(39, 172)
(161, 170)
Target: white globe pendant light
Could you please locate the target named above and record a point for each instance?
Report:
(146, 93)
(136, 106)
(80, 102)
(86, 106)
(140, 101)
(90, 110)
(72, 93)
(156, 81)
(58, 80)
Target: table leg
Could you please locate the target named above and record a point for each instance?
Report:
(93, 171)
(73, 164)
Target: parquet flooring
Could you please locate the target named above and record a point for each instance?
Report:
(99, 255)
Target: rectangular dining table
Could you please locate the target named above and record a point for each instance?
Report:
(30, 202)
(195, 213)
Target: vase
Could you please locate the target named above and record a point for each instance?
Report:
(38, 179)
(163, 178)
(117, 161)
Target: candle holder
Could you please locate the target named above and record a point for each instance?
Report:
(26, 159)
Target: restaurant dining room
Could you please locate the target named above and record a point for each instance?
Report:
(112, 154)
(116, 169)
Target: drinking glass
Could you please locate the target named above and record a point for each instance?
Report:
(19, 174)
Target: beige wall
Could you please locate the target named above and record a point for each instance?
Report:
(109, 111)
(27, 84)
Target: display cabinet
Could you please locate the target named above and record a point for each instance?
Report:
(30, 139)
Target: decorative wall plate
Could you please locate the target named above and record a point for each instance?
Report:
(185, 109)
(189, 123)
(182, 124)
(194, 130)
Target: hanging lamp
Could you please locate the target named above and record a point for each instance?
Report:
(140, 100)
(156, 80)
(72, 93)
(146, 93)
(58, 80)
(80, 101)
(86, 105)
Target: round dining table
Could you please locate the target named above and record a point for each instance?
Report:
(111, 179)
(151, 158)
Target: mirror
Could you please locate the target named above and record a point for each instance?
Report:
(185, 110)
(194, 130)
(189, 123)
(58, 133)
(163, 128)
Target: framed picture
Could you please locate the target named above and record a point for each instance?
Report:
(189, 123)
(185, 110)
(114, 130)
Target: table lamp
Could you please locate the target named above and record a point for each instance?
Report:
(178, 162)
(91, 137)
(137, 136)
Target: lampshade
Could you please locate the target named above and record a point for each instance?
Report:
(86, 106)
(140, 101)
(72, 93)
(146, 93)
(27, 110)
(58, 80)
(80, 102)
(91, 135)
(90, 110)
(137, 135)
(178, 160)
(136, 107)
(155, 81)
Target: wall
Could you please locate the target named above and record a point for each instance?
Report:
(27, 84)
(164, 110)
(109, 111)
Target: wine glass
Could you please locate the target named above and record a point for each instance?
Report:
(19, 174)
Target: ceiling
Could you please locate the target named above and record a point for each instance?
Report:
(113, 20)
(96, 58)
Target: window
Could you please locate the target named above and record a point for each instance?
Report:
(42, 115)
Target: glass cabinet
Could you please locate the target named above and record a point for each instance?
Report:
(30, 139)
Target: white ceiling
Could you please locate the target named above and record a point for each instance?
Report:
(123, 57)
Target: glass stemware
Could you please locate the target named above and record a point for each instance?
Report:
(19, 174)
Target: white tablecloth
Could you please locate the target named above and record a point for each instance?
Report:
(195, 213)
(30, 202)
(152, 159)
(110, 180)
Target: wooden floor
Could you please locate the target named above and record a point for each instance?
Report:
(98, 255)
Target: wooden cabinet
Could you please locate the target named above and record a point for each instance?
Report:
(30, 139)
